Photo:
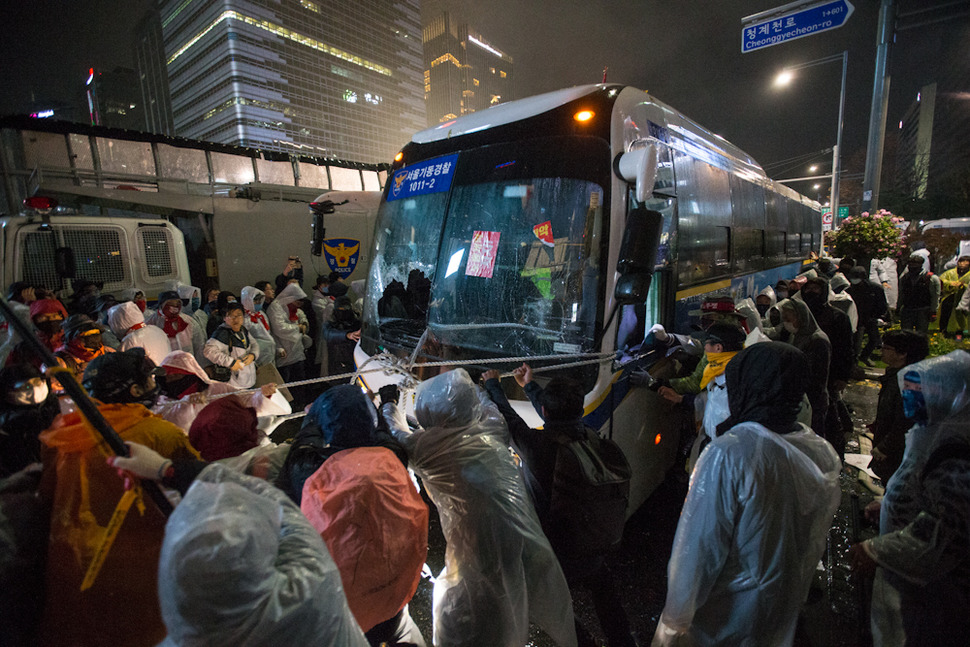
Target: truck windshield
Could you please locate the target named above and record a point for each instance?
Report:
(512, 269)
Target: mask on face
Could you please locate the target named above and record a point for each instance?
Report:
(914, 405)
(855, 281)
(142, 304)
(29, 393)
(814, 300)
(258, 307)
(790, 327)
(92, 342)
(781, 294)
(196, 302)
(149, 398)
(762, 308)
(171, 311)
(49, 328)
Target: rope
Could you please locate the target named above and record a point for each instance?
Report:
(404, 368)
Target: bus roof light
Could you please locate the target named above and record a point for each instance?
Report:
(584, 115)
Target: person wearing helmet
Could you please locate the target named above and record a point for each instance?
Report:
(28, 407)
(83, 493)
(82, 344)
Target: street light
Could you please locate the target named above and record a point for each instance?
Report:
(785, 77)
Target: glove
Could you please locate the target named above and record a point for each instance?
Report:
(658, 333)
(143, 462)
(643, 378)
(389, 394)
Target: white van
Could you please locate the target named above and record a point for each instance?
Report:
(141, 253)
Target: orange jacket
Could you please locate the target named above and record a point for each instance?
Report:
(121, 608)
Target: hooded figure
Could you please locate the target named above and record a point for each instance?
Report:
(242, 567)
(500, 571)
(283, 323)
(183, 332)
(923, 546)
(363, 503)
(225, 428)
(28, 406)
(757, 514)
(128, 323)
(839, 298)
(342, 332)
(805, 335)
(765, 302)
(82, 344)
(83, 492)
(184, 380)
(341, 417)
(257, 324)
(919, 295)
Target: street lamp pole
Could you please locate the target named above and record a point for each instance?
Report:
(785, 77)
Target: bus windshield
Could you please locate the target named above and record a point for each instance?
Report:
(512, 269)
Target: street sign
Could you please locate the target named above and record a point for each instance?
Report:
(827, 221)
(808, 21)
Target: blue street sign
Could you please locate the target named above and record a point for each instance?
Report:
(798, 24)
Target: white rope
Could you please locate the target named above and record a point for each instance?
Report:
(404, 368)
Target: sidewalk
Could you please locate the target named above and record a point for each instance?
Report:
(837, 613)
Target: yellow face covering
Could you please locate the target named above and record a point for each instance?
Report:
(716, 363)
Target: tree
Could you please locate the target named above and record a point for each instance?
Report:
(868, 236)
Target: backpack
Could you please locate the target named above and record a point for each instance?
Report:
(589, 495)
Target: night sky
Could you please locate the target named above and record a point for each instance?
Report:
(686, 53)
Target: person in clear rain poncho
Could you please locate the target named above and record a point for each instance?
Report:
(757, 513)
(241, 566)
(921, 593)
(128, 324)
(500, 571)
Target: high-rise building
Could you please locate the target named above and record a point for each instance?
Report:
(113, 99)
(463, 73)
(152, 76)
(320, 77)
(933, 149)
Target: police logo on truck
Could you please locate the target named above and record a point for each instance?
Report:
(341, 254)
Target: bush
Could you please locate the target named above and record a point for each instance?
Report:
(869, 236)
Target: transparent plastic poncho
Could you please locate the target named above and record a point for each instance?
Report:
(241, 566)
(500, 571)
(751, 532)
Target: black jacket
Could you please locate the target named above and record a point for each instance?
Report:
(536, 447)
(870, 299)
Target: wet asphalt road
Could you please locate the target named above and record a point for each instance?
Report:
(830, 618)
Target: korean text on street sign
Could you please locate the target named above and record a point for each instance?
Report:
(429, 176)
(798, 24)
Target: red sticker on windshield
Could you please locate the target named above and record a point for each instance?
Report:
(543, 232)
(481, 257)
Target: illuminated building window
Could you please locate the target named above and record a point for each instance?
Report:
(475, 82)
(495, 99)
(284, 33)
(502, 74)
(312, 6)
(446, 58)
(492, 70)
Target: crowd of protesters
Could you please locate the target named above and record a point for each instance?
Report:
(322, 539)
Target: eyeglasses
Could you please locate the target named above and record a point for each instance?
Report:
(235, 317)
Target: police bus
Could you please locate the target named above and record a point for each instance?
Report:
(565, 225)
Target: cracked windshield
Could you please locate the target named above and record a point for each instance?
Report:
(512, 270)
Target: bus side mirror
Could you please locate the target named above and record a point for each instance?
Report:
(640, 167)
(318, 210)
(64, 263)
(638, 255)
